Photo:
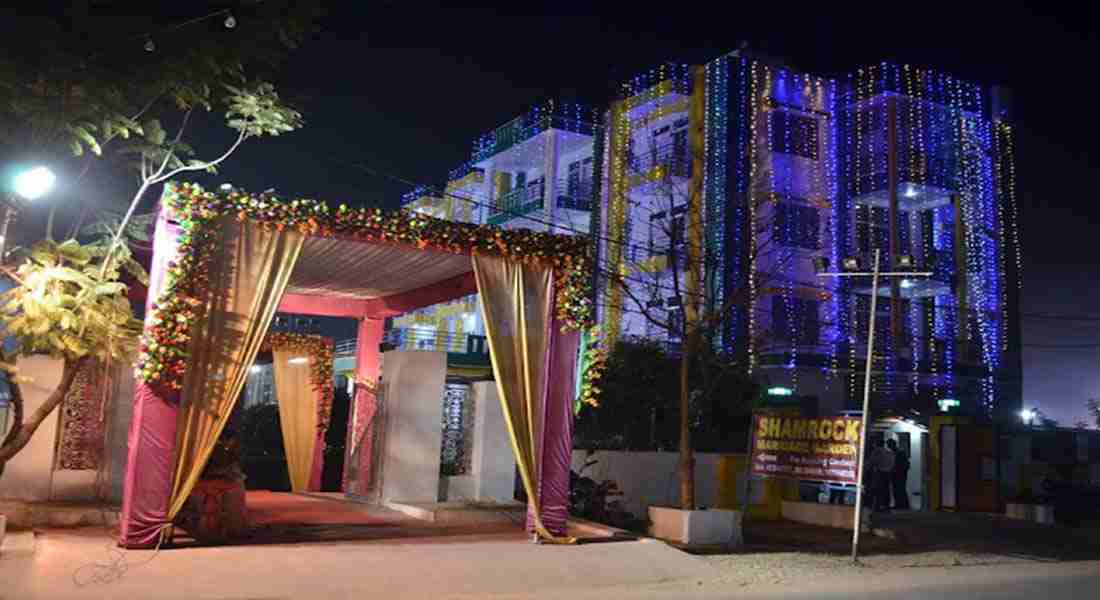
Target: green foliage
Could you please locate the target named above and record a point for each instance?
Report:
(257, 111)
(639, 405)
(63, 306)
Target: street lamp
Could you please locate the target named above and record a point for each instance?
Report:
(1027, 415)
(852, 266)
(29, 186)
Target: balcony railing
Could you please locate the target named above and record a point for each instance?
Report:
(672, 158)
(466, 346)
(577, 196)
(518, 202)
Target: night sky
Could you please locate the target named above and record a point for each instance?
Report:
(405, 87)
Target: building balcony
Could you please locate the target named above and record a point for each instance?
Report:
(576, 195)
(656, 164)
(518, 202)
(464, 349)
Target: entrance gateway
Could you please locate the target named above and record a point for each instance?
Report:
(225, 262)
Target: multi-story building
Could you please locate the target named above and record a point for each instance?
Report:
(791, 169)
(533, 172)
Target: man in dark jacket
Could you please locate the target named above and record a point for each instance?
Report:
(899, 476)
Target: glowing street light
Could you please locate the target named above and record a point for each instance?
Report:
(28, 186)
(1027, 415)
(34, 183)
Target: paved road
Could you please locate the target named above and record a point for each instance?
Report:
(499, 567)
(1030, 581)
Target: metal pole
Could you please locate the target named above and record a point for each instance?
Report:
(748, 473)
(866, 409)
(5, 219)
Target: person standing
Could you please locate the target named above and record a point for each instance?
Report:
(882, 468)
(899, 476)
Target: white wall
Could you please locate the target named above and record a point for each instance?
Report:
(27, 476)
(650, 478)
(414, 411)
(30, 475)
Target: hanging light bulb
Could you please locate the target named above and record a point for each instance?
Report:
(230, 21)
(149, 45)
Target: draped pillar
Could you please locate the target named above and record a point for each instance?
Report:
(297, 401)
(247, 278)
(517, 306)
(364, 406)
(147, 481)
(557, 438)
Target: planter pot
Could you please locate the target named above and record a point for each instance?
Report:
(696, 527)
(1019, 510)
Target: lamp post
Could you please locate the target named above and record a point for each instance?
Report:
(30, 185)
(852, 264)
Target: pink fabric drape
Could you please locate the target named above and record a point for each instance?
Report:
(557, 436)
(147, 482)
(368, 366)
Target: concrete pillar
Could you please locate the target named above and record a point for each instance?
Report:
(493, 464)
(413, 396)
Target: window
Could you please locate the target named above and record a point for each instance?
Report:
(578, 185)
(872, 229)
(679, 160)
(664, 235)
(794, 134)
(795, 319)
(797, 225)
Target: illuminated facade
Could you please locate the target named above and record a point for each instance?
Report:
(533, 172)
(796, 168)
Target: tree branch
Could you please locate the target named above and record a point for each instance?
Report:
(201, 167)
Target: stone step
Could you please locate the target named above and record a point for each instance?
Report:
(461, 513)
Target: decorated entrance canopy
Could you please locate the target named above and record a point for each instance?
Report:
(224, 263)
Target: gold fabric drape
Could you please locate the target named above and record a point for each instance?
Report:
(297, 414)
(248, 276)
(516, 304)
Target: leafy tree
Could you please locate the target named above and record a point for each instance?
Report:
(639, 407)
(78, 92)
(67, 303)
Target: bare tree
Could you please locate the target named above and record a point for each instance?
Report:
(673, 282)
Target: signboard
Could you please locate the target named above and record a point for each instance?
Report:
(816, 448)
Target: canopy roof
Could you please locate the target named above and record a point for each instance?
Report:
(354, 269)
(378, 263)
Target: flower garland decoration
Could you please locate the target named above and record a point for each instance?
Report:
(594, 366)
(163, 353)
(319, 349)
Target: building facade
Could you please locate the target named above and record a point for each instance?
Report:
(790, 169)
(535, 172)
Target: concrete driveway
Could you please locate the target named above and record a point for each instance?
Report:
(83, 563)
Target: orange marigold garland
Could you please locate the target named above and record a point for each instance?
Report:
(163, 353)
(319, 350)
